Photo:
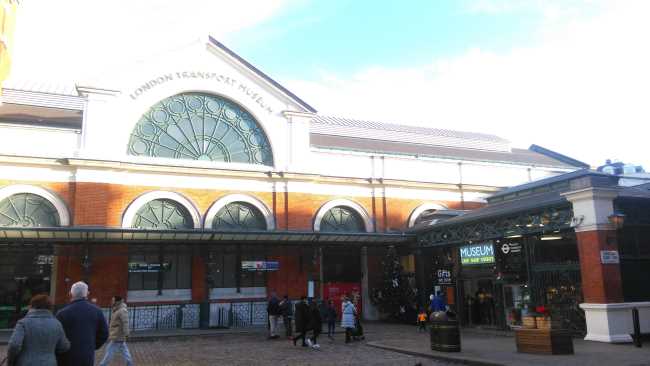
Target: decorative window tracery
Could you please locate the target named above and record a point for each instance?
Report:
(342, 219)
(28, 210)
(239, 216)
(163, 214)
(197, 126)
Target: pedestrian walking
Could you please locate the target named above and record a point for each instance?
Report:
(348, 315)
(302, 321)
(273, 310)
(84, 325)
(330, 317)
(37, 337)
(287, 312)
(422, 321)
(315, 324)
(118, 332)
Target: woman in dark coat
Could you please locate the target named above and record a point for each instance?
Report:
(302, 321)
(315, 323)
(37, 337)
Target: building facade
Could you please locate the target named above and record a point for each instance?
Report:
(574, 245)
(194, 178)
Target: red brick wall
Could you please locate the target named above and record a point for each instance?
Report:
(102, 204)
(601, 283)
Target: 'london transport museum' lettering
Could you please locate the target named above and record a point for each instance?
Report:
(226, 80)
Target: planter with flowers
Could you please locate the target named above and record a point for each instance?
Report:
(541, 334)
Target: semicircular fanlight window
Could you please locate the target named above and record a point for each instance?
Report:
(163, 214)
(239, 216)
(196, 126)
(342, 219)
(28, 210)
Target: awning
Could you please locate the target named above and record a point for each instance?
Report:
(94, 236)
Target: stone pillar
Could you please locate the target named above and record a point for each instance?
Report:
(601, 283)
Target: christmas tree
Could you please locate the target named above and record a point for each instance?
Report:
(395, 296)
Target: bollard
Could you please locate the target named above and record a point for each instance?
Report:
(637, 327)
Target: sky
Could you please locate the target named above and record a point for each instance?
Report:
(569, 75)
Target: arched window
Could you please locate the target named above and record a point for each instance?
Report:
(428, 212)
(28, 210)
(342, 219)
(198, 126)
(426, 215)
(239, 216)
(162, 214)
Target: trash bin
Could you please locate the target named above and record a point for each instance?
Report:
(445, 333)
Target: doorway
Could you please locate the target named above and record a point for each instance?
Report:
(22, 276)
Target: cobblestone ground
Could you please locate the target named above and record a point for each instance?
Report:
(255, 349)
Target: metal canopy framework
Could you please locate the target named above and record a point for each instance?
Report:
(531, 221)
(98, 236)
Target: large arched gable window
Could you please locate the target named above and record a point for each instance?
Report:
(198, 126)
(342, 216)
(30, 206)
(239, 212)
(161, 210)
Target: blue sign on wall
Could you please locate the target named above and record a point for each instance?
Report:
(260, 265)
(477, 254)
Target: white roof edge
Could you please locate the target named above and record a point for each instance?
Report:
(42, 99)
(348, 127)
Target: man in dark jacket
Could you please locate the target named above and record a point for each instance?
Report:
(315, 324)
(302, 321)
(273, 310)
(287, 314)
(84, 325)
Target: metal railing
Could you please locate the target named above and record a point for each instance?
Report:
(161, 316)
(188, 316)
(238, 314)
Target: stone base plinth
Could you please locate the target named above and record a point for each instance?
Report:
(612, 323)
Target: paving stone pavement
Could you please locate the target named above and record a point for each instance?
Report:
(255, 349)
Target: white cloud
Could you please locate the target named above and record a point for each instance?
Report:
(65, 40)
(582, 89)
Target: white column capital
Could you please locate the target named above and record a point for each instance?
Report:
(591, 194)
(592, 207)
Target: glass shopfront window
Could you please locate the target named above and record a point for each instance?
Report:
(225, 266)
(162, 267)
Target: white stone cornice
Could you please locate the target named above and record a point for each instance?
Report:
(307, 115)
(594, 206)
(591, 193)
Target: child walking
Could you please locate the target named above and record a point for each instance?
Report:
(422, 321)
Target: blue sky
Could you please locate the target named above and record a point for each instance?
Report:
(569, 75)
(350, 35)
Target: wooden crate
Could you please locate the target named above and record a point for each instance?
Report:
(544, 341)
